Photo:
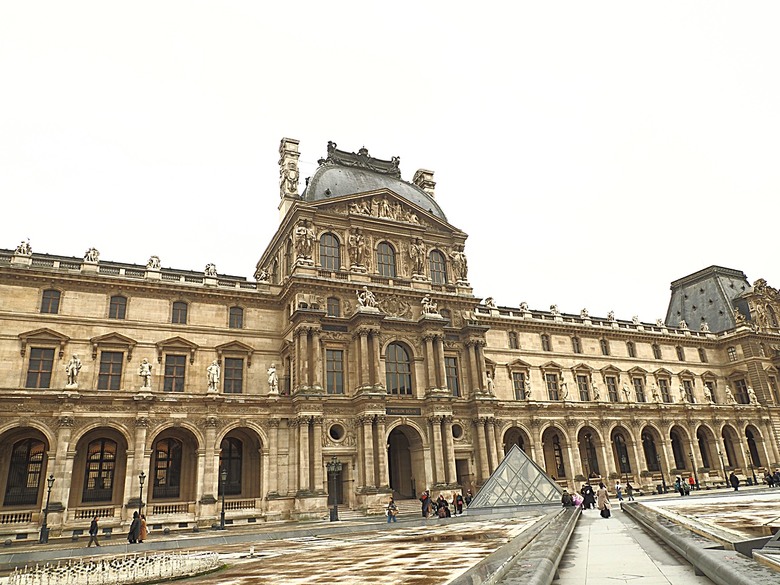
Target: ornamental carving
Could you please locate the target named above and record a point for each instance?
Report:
(395, 306)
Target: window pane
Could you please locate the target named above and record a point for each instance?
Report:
(167, 468)
(174, 373)
(334, 367)
(179, 315)
(385, 260)
(24, 473)
(518, 382)
(50, 303)
(437, 267)
(40, 368)
(398, 370)
(117, 308)
(236, 318)
(99, 474)
(330, 253)
(110, 376)
(453, 383)
(334, 307)
(234, 376)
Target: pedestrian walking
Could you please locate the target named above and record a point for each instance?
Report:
(457, 503)
(588, 497)
(734, 481)
(630, 491)
(143, 533)
(619, 491)
(135, 529)
(602, 500)
(93, 532)
(468, 497)
(691, 483)
(425, 499)
(392, 511)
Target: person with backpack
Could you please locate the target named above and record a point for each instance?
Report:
(392, 511)
(457, 503)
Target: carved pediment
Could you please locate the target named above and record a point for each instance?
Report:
(176, 344)
(610, 370)
(43, 336)
(637, 371)
(113, 340)
(663, 373)
(382, 204)
(518, 364)
(582, 367)
(236, 347)
(551, 366)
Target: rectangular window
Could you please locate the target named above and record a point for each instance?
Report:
(518, 383)
(663, 384)
(236, 318)
(50, 302)
(334, 367)
(513, 342)
(552, 386)
(40, 368)
(688, 390)
(702, 355)
(174, 373)
(732, 352)
(110, 376)
(234, 376)
(333, 307)
(639, 389)
(741, 393)
(656, 351)
(453, 383)
(680, 353)
(604, 347)
(576, 346)
(612, 388)
(179, 313)
(584, 387)
(117, 307)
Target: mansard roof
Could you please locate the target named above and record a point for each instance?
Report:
(347, 173)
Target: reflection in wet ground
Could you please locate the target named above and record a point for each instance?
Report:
(748, 516)
(398, 555)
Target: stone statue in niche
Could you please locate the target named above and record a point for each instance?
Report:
(752, 396)
(24, 248)
(627, 392)
(417, 254)
(303, 239)
(153, 263)
(145, 371)
(596, 393)
(490, 383)
(730, 396)
(739, 318)
(357, 247)
(366, 298)
(460, 265)
(655, 393)
(289, 179)
(72, 369)
(708, 394)
(273, 380)
(211, 270)
(212, 374)
(91, 255)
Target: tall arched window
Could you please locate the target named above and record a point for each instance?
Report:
(651, 453)
(330, 252)
(560, 469)
(703, 449)
(678, 451)
(621, 453)
(24, 473)
(230, 459)
(751, 441)
(437, 267)
(591, 459)
(398, 370)
(166, 482)
(99, 474)
(385, 260)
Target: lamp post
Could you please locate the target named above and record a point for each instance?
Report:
(623, 467)
(722, 466)
(141, 479)
(334, 468)
(223, 480)
(693, 466)
(44, 536)
(753, 469)
(663, 477)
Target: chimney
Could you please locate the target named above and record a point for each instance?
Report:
(288, 174)
(424, 180)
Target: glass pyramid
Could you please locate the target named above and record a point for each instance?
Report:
(517, 481)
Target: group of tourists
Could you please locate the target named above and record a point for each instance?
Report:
(137, 533)
(685, 486)
(440, 507)
(772, 479)
(588, 498)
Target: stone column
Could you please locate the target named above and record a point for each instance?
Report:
(429, 361)
(491, 444)
(637, 467)
(300, 355)
(442, 370)
(449, 452)
(384, 476)
(318, 463)
(608, 460)
(375, 351)
(292, 456)
(573, 470)
(367, 422)
(317, 350)
(473, 373)
(665, 458)
(437, 449)
(273, 456)
(364, 361)
(482, 449)
(209, 465)
(769, 439)
(59, 465)
(499, 441)
(138, 463)
(304, 464)
(745, 455)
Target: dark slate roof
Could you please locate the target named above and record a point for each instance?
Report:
(708, 295)
(346, 173)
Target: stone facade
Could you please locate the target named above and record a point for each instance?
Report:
(359, 346)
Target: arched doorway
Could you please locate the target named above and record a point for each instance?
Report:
(99, 469)
(516, 436)
(406, 462)
(620, 446)
(730, 441)
(650, 449)
(677, 437)
(240, 454)
(554, 443)
(23, 455)
(705, 438)
(173, 472)
(752, 436)
(589, 444)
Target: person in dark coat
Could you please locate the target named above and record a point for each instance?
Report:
(135, 529)
(777, 477)
(93, 532)
(588, 497)
(734, 481)
(425, 499)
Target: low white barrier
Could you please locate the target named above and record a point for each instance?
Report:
(118, 570)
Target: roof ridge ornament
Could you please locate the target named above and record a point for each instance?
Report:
(361, 159)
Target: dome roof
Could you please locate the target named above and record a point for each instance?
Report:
(347, 173)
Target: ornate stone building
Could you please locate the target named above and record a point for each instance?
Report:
(359, 342)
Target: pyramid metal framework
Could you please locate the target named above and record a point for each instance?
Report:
(517, 481)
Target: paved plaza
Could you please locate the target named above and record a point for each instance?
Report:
(434, 552)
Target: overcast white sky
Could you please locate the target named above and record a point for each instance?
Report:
(593, 151)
